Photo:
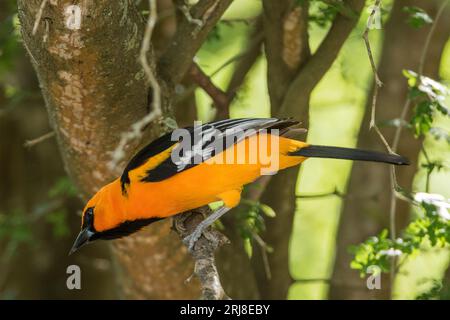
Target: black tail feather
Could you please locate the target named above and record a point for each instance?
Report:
(313, 151)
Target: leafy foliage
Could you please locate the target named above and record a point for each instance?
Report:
(417, 17)
(428, 97)
(250, 221)
(433, 227)
(437, 291)
(322, 13)
(433, 293)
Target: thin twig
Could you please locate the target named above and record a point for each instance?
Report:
(33, 142)
(429, 171)
(398, 130)
(38, 17)
(429, 36)
(373, 125)
(264, 250)
(378, 82)
(366, 41)
(137, 127)
(187, 14)
(335, 192)
(145, 48)
(47, 29)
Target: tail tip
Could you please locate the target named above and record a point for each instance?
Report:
(402, 161)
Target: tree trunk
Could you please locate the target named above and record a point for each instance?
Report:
(366, 207)
(94, 90)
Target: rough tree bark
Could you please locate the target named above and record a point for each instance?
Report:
(85, 55)
(366, 207)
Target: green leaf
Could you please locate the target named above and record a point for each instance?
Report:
(248, 247)
(268, 211)
(417, 17)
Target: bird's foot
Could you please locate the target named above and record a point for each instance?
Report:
(192, 239)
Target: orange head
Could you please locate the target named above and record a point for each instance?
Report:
(102, 216)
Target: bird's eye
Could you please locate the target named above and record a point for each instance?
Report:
(88, 217)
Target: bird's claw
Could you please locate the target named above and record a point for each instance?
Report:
(191, 239)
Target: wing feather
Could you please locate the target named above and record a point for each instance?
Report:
(203, 147)
(154, 162)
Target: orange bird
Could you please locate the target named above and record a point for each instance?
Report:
(195, 166)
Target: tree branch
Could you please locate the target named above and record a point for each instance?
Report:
(203, 252)
(220, 98)
(177, 59)
(247, 59)
(286, 45)
(317, 65)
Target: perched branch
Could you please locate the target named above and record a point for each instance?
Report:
(177, 59)
(203, 252)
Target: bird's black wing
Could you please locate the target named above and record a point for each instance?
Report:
(201, 147)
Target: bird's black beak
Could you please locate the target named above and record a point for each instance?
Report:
(83, 238)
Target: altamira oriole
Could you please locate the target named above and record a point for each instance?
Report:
(157, 185)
